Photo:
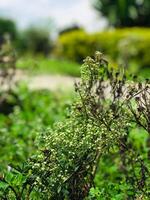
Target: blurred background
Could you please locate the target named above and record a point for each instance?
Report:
(55, 36)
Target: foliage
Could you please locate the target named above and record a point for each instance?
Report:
(122, 45)
(99, 121)
(115, 180)
(32, 111)
(70, 29)
(96, 152)
(73, 45)
(35, 40)
(125, 13)
(7, 26)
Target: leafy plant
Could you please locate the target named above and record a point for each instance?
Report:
(33, 111)
(99, 121)
(73, 155)
(124, 13)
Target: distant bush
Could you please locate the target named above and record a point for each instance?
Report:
(35, 40)
(8, 26)
(75, 45)
(122, 45)
(70, 29)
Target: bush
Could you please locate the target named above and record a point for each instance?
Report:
(8, 26)
(130, 46)
(99, 122)
(75, 45)
(35, 40)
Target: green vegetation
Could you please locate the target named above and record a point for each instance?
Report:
(98, 125)
(42, 65)
(35, 40)
(27, 113)
(89, 144)
(124, 13)
(97, 149)
(7, 26)
(111, 171)
(128, 47)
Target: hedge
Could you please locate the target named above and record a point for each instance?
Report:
(130, 45)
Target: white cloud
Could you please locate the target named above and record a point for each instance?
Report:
(63, 12)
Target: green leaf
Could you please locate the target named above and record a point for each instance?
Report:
(3, 185)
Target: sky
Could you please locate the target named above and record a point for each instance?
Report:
(62, 13)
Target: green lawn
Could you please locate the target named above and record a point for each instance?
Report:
(42, 65)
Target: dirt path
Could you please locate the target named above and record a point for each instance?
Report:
(51, 82)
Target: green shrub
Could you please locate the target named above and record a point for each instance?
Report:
(69, 154)
(7, 26)
(130, 46)
(35, 40)
(75, 45)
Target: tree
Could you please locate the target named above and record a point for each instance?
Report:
(125, 13)
(35, 40)
(7, 26)
(70, 29)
